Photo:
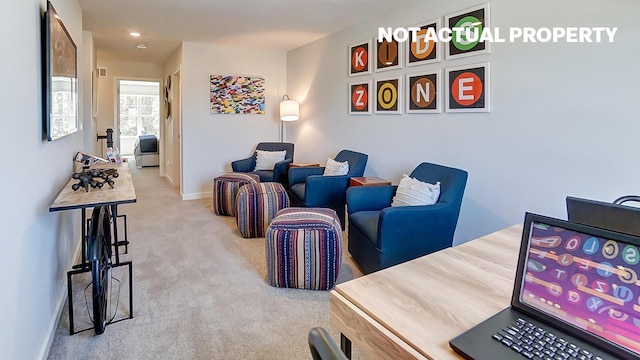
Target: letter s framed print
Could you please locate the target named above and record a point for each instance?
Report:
(360, 98)
(466, 36)
(360, 58)
(468, 88)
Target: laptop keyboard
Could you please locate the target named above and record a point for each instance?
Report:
(536, 343)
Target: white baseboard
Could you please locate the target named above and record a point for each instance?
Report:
(194, 196)
(53, 325)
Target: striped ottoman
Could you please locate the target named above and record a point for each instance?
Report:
(225, 189)
(303, 247)
(257, 204)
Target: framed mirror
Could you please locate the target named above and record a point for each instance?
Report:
(59, 78)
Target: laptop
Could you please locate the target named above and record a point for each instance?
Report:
(620, 218)
(576, 296)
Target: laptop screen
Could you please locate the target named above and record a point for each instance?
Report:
(583, 279)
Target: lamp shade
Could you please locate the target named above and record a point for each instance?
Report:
(289, 109)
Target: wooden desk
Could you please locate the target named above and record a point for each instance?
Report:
(368, 181)
(122, 192)
(412, 310)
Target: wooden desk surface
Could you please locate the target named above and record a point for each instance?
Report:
(123, 191)
(412, 310)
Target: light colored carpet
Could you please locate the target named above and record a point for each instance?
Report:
(200, 290)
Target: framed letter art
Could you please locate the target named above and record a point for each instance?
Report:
(359, 99)
(387, 55)
(468, 88)
(424, 49)
(466, 40)
(388, 96)
(359, 63)
(423, 92)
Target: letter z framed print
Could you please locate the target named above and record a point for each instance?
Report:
(360, 58)
(467, 88)
(360, 98)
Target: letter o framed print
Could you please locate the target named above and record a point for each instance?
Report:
(360, 58)
(388, 96)
(360, 98)
(467, 88)
(467, 26)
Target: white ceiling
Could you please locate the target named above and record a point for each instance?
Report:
(164, 24)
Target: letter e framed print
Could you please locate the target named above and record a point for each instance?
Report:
(388, 96)
(359, 98)
(423, 92)
(468, 88)
(359, 58)
(466, 36)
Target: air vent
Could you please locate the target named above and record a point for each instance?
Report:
(102, 72)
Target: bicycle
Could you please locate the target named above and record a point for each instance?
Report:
(99, 256)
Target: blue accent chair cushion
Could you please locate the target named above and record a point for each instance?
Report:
(381, 236)
(309, 188)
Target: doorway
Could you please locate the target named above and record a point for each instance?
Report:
(138, 112)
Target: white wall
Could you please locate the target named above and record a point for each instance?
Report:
(37, 246)
(563, 117)
(212, 141)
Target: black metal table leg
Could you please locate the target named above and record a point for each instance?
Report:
(114, 214)
(345, 345)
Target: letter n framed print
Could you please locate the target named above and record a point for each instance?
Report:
(467, 32)
(423, 92)
(388, 95)
(359, 98)
(468, 88)
(359, 58)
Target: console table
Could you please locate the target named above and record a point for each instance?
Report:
(412, 310)
(123, 192)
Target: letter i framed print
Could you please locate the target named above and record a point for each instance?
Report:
(360, 58)
(360, 98)
(467, 32)
(467, 88)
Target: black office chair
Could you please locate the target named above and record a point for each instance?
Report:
(323, 347)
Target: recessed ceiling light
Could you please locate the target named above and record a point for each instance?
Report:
(141, 46)
(134, 34)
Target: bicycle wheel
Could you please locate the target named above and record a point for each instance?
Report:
(100, 257)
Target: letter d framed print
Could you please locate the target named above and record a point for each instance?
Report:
(467, 88)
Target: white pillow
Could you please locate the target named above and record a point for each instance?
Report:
(266, 160)
(335, 168)
(415, 192)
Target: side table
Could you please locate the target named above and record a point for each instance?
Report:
(304, 165)
(368, 181)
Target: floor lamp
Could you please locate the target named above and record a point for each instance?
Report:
(289, 111)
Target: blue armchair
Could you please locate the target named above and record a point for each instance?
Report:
(309, 188)
(381, 236)
(279, 172)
